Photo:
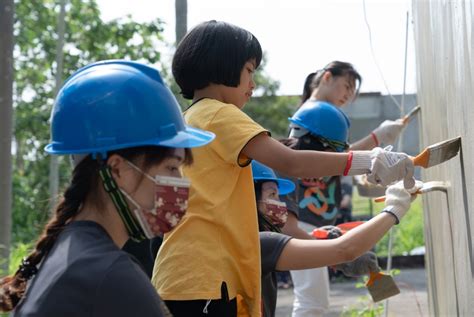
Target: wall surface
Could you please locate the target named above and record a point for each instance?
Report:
(445, 69)
(371, 109)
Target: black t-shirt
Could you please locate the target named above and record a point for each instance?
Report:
(86, 274)
(271, 246)
(144, 252)
(315, 201)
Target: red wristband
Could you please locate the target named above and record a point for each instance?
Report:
(348, 164)
(375, 138)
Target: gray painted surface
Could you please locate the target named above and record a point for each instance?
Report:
(371, 109)
(445, 68)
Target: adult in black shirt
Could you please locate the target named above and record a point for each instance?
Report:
(83, 262)
(271, 246)
(128, 141)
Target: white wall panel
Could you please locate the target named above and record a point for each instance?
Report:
(445, 68)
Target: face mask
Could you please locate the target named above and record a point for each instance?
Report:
(171, 202)
(275, 210)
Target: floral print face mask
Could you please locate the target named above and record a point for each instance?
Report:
(170, 204)
(275, 210)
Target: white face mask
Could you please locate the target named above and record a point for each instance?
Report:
(171, 202)
(275, 210)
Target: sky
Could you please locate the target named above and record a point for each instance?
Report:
(301, 36)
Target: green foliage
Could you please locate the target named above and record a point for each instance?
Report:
(18, 252)
(87, 39)
(406, 236)
(365, 308)
(272, 113)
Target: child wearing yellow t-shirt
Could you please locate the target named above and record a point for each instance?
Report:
(213, 255)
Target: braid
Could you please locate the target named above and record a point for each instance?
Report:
(12, 288)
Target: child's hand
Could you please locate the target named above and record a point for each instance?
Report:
(382, 166)
(388, 167)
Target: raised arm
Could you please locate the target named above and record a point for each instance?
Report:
(304, 254)
(386, 133)
(384, 167)
(296, 163)
(367, 143)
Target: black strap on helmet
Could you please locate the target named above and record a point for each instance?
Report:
(133, 226)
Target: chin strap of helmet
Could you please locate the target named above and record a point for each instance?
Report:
(131, 224)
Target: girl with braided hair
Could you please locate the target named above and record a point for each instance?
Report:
(125, 133)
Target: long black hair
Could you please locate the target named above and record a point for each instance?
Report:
(84, 184)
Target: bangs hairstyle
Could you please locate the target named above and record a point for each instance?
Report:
(213, 52)
(151, 155)
(337, 69)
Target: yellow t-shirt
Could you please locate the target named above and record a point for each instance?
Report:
(217, 239)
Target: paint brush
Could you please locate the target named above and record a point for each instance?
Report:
(381, 286)
(427, 187)
(407, 118)
(438, 153)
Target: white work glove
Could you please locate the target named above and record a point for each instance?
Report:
(388, 131)
(382, 166)
(398, 199)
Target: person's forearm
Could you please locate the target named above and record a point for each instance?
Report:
(367, 143)
(295, 163)
(362, 238)
(301, 254)
(314, 164)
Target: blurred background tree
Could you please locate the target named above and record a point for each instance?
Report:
(87, 39)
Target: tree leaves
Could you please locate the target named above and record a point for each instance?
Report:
(87, 39)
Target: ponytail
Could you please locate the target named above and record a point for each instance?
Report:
(12, 288)
(336, 68)
(307, 88)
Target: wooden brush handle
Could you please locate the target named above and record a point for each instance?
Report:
(422, 159)
(409, 115)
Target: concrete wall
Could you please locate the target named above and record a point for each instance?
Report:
(371, 109)
(445, 69)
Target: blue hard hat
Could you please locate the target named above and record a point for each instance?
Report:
(118, 104)
(264, 173)
(323, 119)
